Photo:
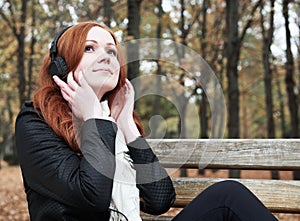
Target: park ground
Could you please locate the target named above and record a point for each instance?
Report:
(13, 205)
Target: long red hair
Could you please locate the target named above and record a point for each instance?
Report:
(48, 98)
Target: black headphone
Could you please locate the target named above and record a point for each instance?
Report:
(58, 65)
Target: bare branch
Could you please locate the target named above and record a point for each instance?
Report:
(5, 18)
(249, 22)
(13, 19)
(193, 22)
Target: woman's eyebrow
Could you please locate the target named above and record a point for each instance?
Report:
(96, 42)
(111, 44)
(92, 41)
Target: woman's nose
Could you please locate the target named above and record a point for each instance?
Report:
(104, 58)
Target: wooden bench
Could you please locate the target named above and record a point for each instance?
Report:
(280, 196)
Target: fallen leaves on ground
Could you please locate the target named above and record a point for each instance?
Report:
(13, 204)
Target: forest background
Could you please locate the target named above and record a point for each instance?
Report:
(252, 48)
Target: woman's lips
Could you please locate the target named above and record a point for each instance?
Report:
(103, 70)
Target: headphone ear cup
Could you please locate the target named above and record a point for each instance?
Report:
(58, 67)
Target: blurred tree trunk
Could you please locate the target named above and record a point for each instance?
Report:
(202, 100)
(298, 47)
(185, 29)
(267, 36)
(244, 122)
(203, 44)
(17, 25)
(157, 99)
(232, 52)
(232, 55)
(133, 32)
(215, 57)
(289, 79)
(182, 98)
(16, 21)
(107, 6)
(6, 121)
(32, 52)
(20, 35)
(281, 105)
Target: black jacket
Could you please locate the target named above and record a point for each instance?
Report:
(60, 185)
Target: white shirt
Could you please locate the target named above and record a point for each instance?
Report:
(125, 194)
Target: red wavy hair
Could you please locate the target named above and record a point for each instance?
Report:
(48, 98)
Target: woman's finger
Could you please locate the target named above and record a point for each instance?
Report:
(81, 80)
(64, 88)
(66, 96)
(129, 86)
(58, 81)
(71, 82)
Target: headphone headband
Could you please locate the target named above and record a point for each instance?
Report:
(53, 48)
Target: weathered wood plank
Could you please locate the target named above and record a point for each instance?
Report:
(156, 218)
(259, 154)
(280, 196)
(277, 195)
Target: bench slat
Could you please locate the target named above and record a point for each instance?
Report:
(156, 218)
(256, 154)
(280, 196)
(277, 195)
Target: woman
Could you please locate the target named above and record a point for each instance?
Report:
(81, 146)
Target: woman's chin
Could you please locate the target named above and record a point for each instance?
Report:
(103, 90)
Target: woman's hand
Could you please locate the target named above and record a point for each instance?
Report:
(80, 97)
(122, 111)
(122, 105)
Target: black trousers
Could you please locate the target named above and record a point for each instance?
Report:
(224, 201)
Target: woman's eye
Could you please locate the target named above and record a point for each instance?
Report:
(112, 52)
(89, 48)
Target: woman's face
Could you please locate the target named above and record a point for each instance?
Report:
(99, 63)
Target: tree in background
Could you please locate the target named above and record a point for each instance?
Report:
(234, 42)
(32, 52)
(15, 18)
(203, 102)
(289, 79)
(267, 37)
(133, 27)
(16, 21)
(157, 100)
(133, 32)
(107, 7)
(233, 45)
